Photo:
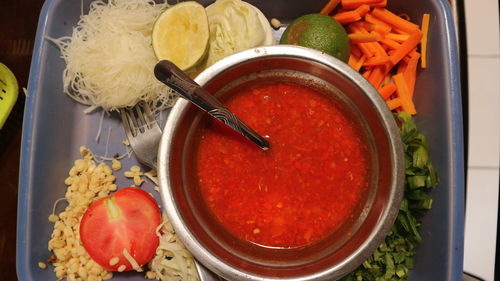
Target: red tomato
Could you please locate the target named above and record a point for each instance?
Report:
(127, 220)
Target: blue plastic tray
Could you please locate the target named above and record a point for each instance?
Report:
(55, 127)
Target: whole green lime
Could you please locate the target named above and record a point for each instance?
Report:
(319, 32)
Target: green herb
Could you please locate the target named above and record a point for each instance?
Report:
(394, 258)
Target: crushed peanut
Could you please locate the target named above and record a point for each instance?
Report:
(87, 182)
(135, 173)
(42, 265)
(116, 164)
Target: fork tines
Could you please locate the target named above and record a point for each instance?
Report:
(138, 118)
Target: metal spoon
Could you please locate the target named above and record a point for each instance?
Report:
(168, 73)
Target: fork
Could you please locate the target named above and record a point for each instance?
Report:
(143, 134)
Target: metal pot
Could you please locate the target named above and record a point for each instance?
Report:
(335, 255)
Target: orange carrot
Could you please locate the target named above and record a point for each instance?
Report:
(379, 50)
(387, 80)
(405, 59)
(387, 91)
(352, 61)
(367, 73)
(356, 51)
(360, 62)
(402, 67)
(406, 47)
(410, 73)
(377, 28)
(347, 17)
(380, 4)
(393, 103)
(423, 44)
(367, 52)
(378, 60)
(373, 47)
(397, 37)
(403, 93)
(362, 10)
(373, 20)
(329, 7)
(377, 75)
(353, 4)
(390, 43)
(392, 19)
(356, 38)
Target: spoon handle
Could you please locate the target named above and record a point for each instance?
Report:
(169, 74)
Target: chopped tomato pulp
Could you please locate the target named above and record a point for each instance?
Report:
(126, 220)
(300, 190)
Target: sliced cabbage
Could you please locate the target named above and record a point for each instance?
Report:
(235, 26)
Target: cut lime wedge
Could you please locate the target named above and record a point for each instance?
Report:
(181, 33)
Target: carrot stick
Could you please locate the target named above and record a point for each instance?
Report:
(367, 73)
(380, 4)
(367, 52)
(403, 93)
(353, 4)
(387, 91)
(394, 20)
(360, 62)
(363, 10)
(379, 50)
(377, 75)
(390, 43)
(372, 48)
(363, 38)
(378, 29)
(397, 37)
(378, 60)
(394, 103)
(356, 51)
(406, 47)
(423, 44)
(410, 73)
(373, 20)
(329, 7)
(358, 27)
(347, 17)
(352, 61)
(406, 58)
(387, 80)
(402, 67)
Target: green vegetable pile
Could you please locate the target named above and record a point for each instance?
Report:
(394, 258)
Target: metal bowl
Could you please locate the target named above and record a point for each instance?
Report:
(332, 257)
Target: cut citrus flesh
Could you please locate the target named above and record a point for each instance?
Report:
(181, 33)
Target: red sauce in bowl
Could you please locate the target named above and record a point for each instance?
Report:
(299, 191)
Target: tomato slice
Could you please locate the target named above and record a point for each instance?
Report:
(127, 220)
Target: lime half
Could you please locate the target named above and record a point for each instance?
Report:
(181, 33)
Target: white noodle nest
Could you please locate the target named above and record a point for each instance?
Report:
(109, 59)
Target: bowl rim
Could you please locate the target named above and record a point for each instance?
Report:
(373, 240)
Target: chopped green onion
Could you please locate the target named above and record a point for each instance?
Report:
(394, 258)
